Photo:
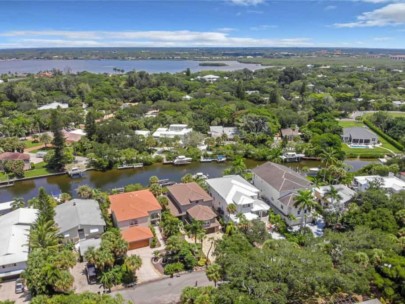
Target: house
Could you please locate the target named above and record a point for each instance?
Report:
(133, 212)
(398, 103)
(144, 133)
(174, 130)
(233, 189)
(252, 92)
(359, 136)
(209, 78)
(151, 114)
(219, 131)
(289, 133)
(15, 228)
(278, 186)
(80, 219)
(14, 156)
(73, 135)
(190, 202)
(187, 97)
(53, 106)
(345, 193)
(389, 183)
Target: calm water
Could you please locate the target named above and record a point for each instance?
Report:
(119, 178)
(107, 66)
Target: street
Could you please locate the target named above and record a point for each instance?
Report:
(166, 291)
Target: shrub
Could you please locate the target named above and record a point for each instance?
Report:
(171, 269)
(383, 135)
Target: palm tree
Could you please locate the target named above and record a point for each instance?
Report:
(188, 178)
(64, 282)
(108, 279)
(195, 229)
(85, 192)
(163, 201)
(304, 200)
(230, 228)
(334, 196)
(18, 203)
(104, 259)
(243, 223)
(329, 156)
(91, 255)
(156, 189)
(231, 208)
(133, 263)
(214, 273)
(153, 180)
(44, 235)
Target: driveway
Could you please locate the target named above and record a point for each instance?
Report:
(166, 291)
(148, 272)
(7, 292)
(80, 283)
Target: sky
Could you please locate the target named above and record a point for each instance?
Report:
(203, 23)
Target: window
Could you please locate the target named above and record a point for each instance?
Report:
(133, 223)
(299, 212)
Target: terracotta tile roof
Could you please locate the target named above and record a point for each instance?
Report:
(14, 156)
(201, 213)
(184, 194)
(133, 205)
(136, 233)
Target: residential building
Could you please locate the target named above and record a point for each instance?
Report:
(233, 189)
(53, 106)
(219, 131)
(73, 135)
(144, 133)
(289, 133)
(187, 97)
(344, 193)
(133, 212)
(359, 136)
(179, 130)
(15, 228)
(278, 186)
(14, 156)
(398, 103)
(209, 78)
(190, 202)
(80, 219)
(389, 183)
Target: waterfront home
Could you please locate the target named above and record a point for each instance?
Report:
(179, 130)
(53, 106)
(79, 219)
(389, 183)
(359, 137)
(144, 133)
(190, 202)
(133, 212)
(278, 186)
(209, 78)
(235, 190)
(290, 134)
(344, 196)
(15, 228)
(15, 156)
(219, 131)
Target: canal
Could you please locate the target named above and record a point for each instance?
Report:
(109, 180)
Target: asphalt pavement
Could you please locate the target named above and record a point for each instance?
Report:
(165, 291)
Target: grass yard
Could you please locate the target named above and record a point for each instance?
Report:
(366, 153)
(30, 144)
(40, 169)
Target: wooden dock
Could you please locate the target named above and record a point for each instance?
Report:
(76, 172)
(131, 166)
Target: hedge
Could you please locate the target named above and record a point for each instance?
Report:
(383, 135)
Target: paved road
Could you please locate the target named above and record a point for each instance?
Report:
(166, 291)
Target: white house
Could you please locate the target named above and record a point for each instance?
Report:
(187, 97)
(345, 195)
(278, 186)
(53, 106)
(233, 189)
(388, 183)
(14, 233)
(209, 78)
(398, 103)
(79, 219)
(218, 131)
(174, 130)
(144, 133)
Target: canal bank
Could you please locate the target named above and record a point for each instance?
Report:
(109, 180)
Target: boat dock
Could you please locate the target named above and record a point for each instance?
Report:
(132, 166)
(292, 157)
(206, 160)
(76, 172)
(165, 182)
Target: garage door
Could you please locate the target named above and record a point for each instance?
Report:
(138, 244)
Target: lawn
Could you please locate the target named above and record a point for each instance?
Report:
(40, 169)
(30, 144)
(365, 153)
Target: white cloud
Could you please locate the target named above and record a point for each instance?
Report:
(226, 29)
(382, 38)
(263, 27)
(50, 38)
(389, 15)
(330, 7)
(247, 2)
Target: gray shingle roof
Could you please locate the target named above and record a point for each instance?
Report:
(359, 133)
(280, 177)
(78, 212)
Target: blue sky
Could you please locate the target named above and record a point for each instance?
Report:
(212, 23)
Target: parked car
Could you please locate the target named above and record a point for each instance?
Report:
(19, 286)
(91, 274)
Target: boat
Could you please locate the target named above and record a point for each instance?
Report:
(76, 172)
(200, 175)
(221, 159)
(313, 171)
(206, 160)
(292, 157)
(132, 166)
(182, 160)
